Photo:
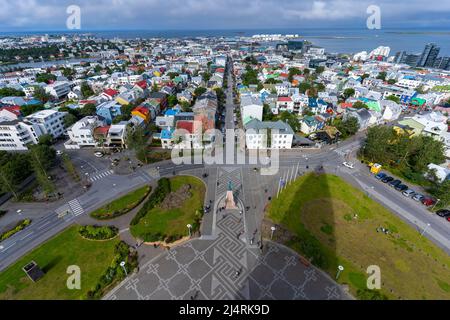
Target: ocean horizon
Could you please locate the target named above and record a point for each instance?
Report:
(334, 40)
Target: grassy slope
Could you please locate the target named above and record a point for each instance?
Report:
(324, 207)
(54, 256)
(173, 221)
(126, 202)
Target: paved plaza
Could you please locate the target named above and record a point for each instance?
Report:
(227, 265)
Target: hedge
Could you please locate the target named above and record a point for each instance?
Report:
(18, 227)
(98, 232)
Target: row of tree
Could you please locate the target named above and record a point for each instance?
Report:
(408, 156)
(16, 167)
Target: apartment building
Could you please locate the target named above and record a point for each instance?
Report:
(49, 121)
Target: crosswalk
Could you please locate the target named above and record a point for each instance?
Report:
(76, 207)
(100, 175)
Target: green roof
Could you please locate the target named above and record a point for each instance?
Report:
(374, 105)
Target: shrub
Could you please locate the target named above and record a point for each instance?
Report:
(115, 272)
(98, 232)
(18, 227)
(367, 294)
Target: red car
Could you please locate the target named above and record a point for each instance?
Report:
(428, 201)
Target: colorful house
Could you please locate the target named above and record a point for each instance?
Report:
(141, 112)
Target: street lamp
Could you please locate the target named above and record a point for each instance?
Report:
(122, 264)
(424, 229)
(340, 269)
(273, 230)
(437, 200)
(189, 226)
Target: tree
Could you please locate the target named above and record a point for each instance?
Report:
(304, 86)
(46, 139)
(69, 120)
(292, 72)
(206, 76)
(349, 92)
(442, 192)
(393, 98)
(306, 71)
(391, 81)
(267, 113)
(347, 127)
(290, 119)
(172, 100)
(364, 76)
(199, 91)
(382, 75)
(41, 94)
(320, 69)
(86, 90)
(45, 77)
(137, 141)
(359, 105)
(89, 109)
(11, 92)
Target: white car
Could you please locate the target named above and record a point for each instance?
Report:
(98, 154)
(59, 152)
(348, 165)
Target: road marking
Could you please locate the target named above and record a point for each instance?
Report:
(76, 207)
(27, 236)
(43, 225)
(8, 247)
(100, 175)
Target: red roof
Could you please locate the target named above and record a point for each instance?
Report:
(346, 105)
(220, 70)
(13, 109)
(186, 125)
(111, 92)
(102, 130)
(284, 99)
(142, 84)
(142, 110)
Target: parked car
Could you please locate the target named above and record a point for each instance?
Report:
(428, 201)
(401, 187)
(59, 152)
(408, 193)
(387, 179)
(448, 219)
(380, 176)
(98, 154)
(418, 197)
(394, 183)
(444, 213)
(348, 165)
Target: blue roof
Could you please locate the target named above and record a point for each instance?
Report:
(312, 102)
(167, 133)
(171, 112)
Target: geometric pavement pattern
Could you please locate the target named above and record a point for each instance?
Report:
(227, 269)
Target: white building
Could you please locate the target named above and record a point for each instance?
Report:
(251, 108)
(257, 131)
(81, 133)
(15, 135)
(58, 89)
(49, 121)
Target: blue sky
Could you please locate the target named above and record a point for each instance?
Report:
(47, 15)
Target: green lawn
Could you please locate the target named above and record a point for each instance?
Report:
(172, 223)
(122, 205)
(336, 224)
(54, 256)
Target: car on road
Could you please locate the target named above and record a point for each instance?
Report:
(387, 179)
(444, 213)
(408, 193)
(380, 176)
(348, 165)
(394, 183)
(418, 197)
(401, 187)
(98, 154)
(428, 201)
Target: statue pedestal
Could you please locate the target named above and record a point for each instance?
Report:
(229, 201)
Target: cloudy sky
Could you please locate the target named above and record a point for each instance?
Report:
(46, 15)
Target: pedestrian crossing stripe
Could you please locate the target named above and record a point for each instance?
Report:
(101, 175)
(76, 207)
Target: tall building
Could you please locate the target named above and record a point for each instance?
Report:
(429, 55)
